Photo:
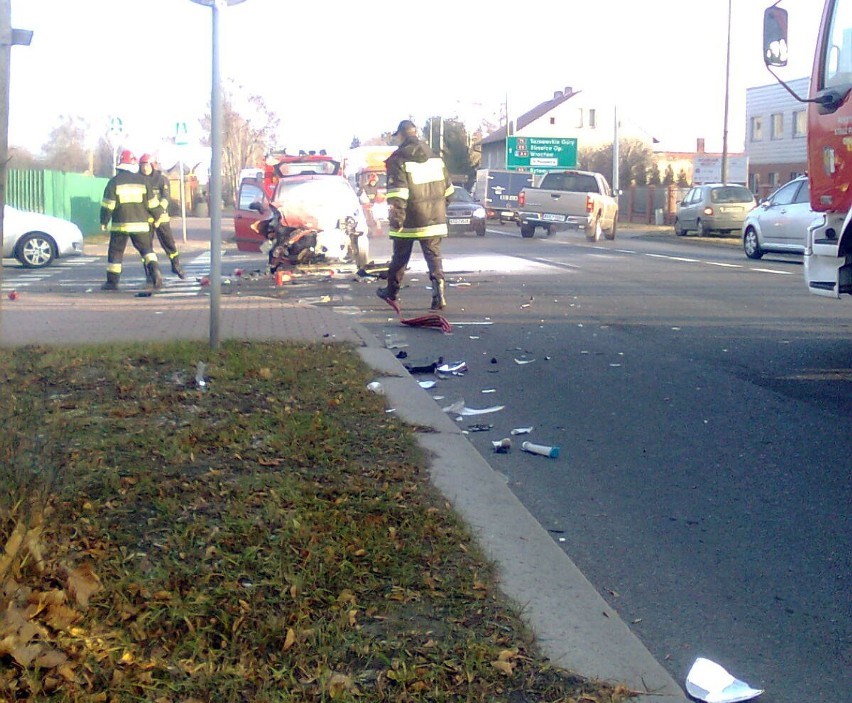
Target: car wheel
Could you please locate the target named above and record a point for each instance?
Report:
(551, 230)
(751, 245)
(527, 231)
(701, 230)
(35, 250)
(593, 233)
(679, 231)
(611, 234)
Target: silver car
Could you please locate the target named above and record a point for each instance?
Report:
(713, 207)
(780, 223)
(36, 240)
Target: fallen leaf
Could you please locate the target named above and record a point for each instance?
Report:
(290, 639)
(82, 583)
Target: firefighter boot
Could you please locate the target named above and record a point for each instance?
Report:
(111, 281)
(177, 269)
(152, 272)
(439, 302)
(387, 294)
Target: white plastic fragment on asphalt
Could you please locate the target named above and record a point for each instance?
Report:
(522, 430)
(427, 384)
(708, 681)
(459, 408)
(521, 362)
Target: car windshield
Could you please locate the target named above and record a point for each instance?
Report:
(460, 195)
(731, 194)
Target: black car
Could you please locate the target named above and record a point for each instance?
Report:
(464, 214)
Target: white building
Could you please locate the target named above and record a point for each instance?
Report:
(776, 134)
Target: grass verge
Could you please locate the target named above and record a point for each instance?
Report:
(272, 537)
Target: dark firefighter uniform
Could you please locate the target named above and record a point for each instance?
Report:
(160, 184)
(418, 186)
(128, 203)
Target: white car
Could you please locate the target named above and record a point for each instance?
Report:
(780, 223)
(36, 240)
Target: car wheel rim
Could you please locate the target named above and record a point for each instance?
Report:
(37, 252)
(750, 243)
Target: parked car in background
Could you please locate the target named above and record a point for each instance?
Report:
(36, 240)
(780, 223)
(464, 214)
(713, 207)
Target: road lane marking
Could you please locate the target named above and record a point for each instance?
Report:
(783, 273)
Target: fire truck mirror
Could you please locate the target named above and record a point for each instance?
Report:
(775, 36)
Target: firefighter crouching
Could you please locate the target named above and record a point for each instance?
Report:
(128, 203)
(149, 167)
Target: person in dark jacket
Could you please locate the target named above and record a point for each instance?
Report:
(418, 186)
(127, 209)
(149, 167)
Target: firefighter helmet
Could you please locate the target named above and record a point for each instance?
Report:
(127, 157)
(146, 159)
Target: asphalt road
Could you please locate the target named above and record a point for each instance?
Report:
(703, 406)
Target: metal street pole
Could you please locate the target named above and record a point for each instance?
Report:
(216, 175)
(8, 38)
(727, 89)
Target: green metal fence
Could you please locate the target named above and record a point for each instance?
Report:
(71, 196)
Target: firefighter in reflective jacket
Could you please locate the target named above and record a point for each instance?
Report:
(418, 188)
(128, 203)
(149, 167)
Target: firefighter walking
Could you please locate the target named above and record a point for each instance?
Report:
(418, 188)
(149, 168)
(128, 206)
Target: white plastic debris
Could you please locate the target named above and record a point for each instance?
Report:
(427, 384)
(522, 430)
(455, 368)
(459, 408)
(502, 446)
(524, 361)
(376, 387)
(708, 681)
(200, 381)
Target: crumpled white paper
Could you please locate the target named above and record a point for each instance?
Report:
(708, 681)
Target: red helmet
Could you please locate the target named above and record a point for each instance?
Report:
(146, 159)
(127, 157)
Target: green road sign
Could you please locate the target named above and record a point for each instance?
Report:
(541, 153)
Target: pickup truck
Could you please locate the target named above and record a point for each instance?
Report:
(575, 199)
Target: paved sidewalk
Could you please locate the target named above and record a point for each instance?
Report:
(574, 625)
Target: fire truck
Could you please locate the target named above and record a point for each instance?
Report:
(828, 246)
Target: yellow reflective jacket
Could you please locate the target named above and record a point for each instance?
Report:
(418, 188)
(128, 202)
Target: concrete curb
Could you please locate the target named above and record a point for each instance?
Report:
(575, 627)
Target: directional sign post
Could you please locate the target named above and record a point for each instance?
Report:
(182, 139)
(540, 154)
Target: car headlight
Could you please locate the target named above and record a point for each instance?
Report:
(479, 213)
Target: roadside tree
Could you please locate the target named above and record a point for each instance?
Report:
(248, 131)
(65, 148)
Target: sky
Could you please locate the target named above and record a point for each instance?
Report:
(334, 69)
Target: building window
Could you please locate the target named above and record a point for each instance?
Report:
(800, 123)
(579, 118)
(774, 179)
(755, 182)
(757, 129)
(593, 118)
(777, 126)
(552, 120)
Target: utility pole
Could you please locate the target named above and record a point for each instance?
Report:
(727, 88)
(8, 38)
